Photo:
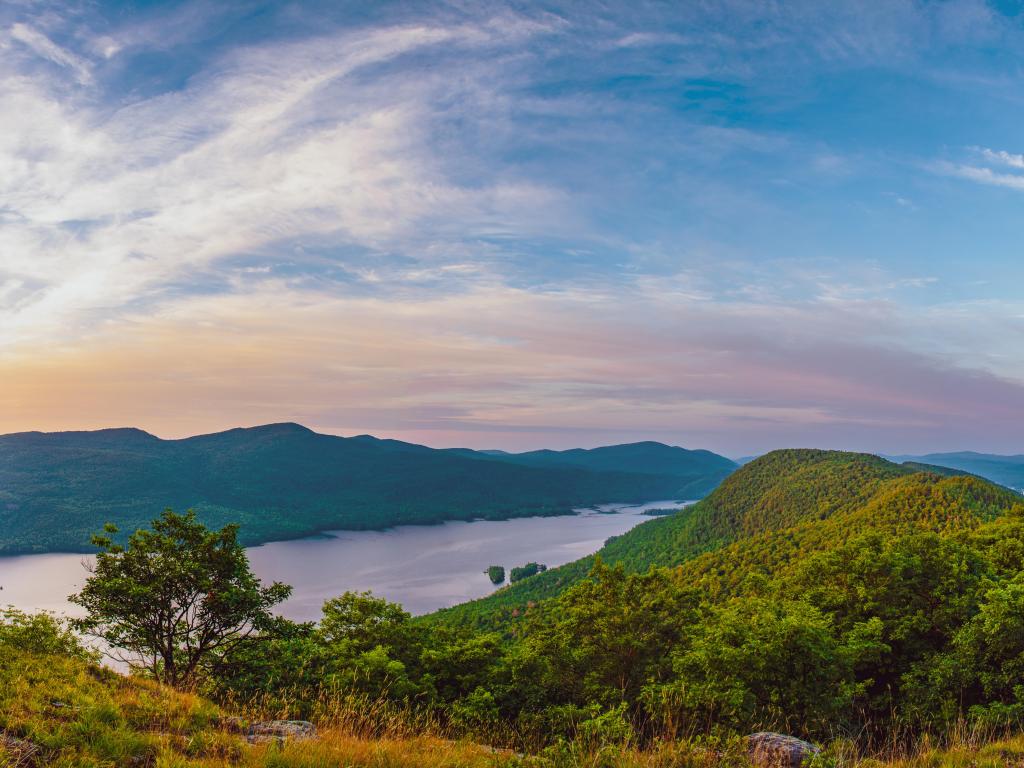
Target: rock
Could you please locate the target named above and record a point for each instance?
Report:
(233, 724)
(19, 753)
(280, 730)
(776, 750)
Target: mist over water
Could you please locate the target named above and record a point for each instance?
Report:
(422, 567)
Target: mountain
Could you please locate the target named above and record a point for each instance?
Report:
(698, 471)
(778, 506)
(276, 481)
(1005, 470)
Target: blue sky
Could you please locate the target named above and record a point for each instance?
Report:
(737, 225)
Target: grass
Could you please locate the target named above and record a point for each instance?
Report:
(80, 714)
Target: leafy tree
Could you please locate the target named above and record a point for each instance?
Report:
(753, 660)
(496, 573)
(175, 598)
(606, 637)
(989, 655)
(920, 587)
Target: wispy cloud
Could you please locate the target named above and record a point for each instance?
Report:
(1002, 157)
(43, 46)
(281, 141)
(983, 174)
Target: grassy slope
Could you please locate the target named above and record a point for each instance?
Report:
(86, 717)
(82, 715)
(276, 481)
(778, 505)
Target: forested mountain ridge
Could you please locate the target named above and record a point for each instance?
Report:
(276, 481)
(772, 509)
(699, 471)
(1005, 470)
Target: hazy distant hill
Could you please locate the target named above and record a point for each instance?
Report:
(777, 507)
(698, 471)
(1005, 470)
(277, 481)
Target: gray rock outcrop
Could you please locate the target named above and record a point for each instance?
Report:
(776, 750)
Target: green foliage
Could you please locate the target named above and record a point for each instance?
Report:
(39, 633)
(776, 663)
(175, 597)
(496, 573)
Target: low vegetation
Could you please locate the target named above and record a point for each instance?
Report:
(59, 708)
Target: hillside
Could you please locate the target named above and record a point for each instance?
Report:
(1005, 470)
(784, 502)
(277, 481)
(58, 707)
(698, 471)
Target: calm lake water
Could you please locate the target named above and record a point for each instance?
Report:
(423, 567)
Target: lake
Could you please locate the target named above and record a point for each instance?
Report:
(423, 567)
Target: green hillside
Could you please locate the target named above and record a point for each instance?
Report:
(771, 508)
(814, 592)
(277, 481)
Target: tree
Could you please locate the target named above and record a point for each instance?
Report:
(175, 598)
(496, 573)
(766, 663)
(606, 637)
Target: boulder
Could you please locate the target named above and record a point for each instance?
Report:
(281, 730)
(233, 724)
(776, 750)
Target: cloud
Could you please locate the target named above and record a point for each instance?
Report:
(497, 365)
(992, 173)
(104, 207)
(43, 46)
(982, 175)
(1002, 157)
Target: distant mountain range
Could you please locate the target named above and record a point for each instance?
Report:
(284, 480)
(699, 472)
(1005, 470)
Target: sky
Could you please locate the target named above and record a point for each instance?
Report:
(736, 225)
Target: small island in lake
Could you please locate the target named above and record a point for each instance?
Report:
(525, 571)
